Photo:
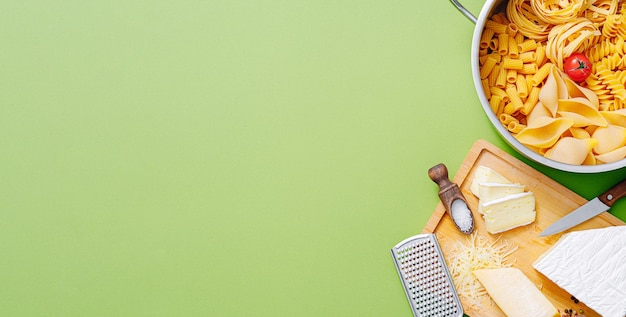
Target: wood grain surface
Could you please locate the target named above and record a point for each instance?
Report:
(552, 202)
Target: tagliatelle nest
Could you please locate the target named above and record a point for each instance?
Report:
(557, 12)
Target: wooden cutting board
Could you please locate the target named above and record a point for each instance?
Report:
(552, 202)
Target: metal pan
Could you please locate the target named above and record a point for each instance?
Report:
(489, 8)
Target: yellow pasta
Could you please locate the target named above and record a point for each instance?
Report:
(513, 48)
(528, 57)
(485, 84)
(486, 37)
(505, 119)
(521, 86)
(487, 67)
(510, 108)
(521, 13)
(612, 83)
(527, 46)
(546, 135)
(493, 44)
(529, 68)
(496, 104)
(617, 117)
(515, 127)
(538, 116)
(562, 12)
(612, 156)
(511, 30)
(540, 75)
(612, 25)
(540, 55)
(579, 133)
(510, 63)
(605, 98)
(576, 91)
(497, 91)
(610, 62)
(609, 138)
(511, 76)
(515, 101)
(493, 76)
(519, 38)
(599, 9)
(483, 58)
(582, 112)
(500, 18)
(600, 51)
(521, 59)
(531, 101)
(503, 44)
(570, 37)
(528, 78)
(571, 150)
(498, 28)
(501, 79)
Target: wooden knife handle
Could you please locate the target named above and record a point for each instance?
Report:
(613, 194)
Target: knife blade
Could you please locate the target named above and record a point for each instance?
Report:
(589, 210)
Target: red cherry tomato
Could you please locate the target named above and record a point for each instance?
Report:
(577, 67)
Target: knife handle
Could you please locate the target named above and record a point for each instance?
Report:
(613, 194)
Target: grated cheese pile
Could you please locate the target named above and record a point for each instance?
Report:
(476, 253)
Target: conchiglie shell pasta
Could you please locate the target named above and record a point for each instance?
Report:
(570, 150)
(545, 135)
(590, 159)
(538, 115)
(553, 90)
(579, 133)
(582, 112)
(574, 91)
(612, 156)
(609, 138)
(616, 117)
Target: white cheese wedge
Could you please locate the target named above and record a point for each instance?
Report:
(514, 293)
(492, 191)
(508, 212)
(485, 174)
(589, 265)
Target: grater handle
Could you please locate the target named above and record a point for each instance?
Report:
(448, 193)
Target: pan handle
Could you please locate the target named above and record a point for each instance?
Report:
(465, 12)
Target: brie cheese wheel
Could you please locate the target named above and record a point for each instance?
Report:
(491, 191)
(589, 265)
(508, 212)
(485, 174)
(514, 293)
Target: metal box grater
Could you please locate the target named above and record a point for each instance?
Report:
(426, 278)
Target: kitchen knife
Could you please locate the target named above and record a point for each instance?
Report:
(589, 210)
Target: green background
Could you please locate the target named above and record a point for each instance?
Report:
(227, 158)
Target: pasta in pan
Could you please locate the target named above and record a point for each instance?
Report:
(571, 150)
(521, 64)
(572, 37)
(564, 12)
(617, 117)
(613, 156)
(599, 9)
(520, 12)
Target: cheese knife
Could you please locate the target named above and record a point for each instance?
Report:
(589, 210)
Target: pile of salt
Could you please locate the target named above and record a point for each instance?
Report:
(462, 216)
